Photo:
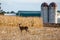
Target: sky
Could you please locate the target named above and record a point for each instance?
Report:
(25, 5)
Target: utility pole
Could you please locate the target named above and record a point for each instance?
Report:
(0, 7)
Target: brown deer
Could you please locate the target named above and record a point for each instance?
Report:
(23, 28)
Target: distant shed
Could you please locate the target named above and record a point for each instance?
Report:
(10, 14)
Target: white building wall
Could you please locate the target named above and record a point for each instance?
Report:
(44, 14)
(58, 17)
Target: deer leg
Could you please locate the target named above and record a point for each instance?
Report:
(21, 30)
(26, 30)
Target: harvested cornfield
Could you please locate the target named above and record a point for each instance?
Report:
(14, 33)
(9, 29)
(24, 21)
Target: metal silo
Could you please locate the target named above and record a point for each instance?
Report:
(52, 13)
(44, 12)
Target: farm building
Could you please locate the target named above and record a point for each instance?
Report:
(29, 13)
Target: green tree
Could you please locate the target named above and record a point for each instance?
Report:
(3, 12)
(12, 12)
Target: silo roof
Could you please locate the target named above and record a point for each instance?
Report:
(44, 4)
(53, 4)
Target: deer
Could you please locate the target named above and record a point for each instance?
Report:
(23, 28)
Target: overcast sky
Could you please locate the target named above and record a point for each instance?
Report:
(29, 5)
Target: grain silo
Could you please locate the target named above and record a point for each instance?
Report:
(44, 12)
(52, 13)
